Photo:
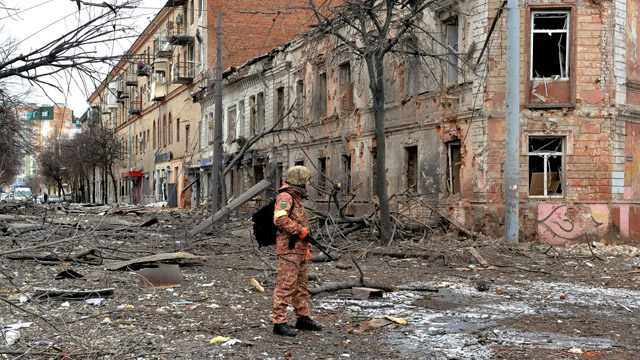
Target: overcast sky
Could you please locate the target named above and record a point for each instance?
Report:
(35, 22)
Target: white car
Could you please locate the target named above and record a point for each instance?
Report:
(21, 194)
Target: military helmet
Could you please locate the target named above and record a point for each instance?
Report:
(297, 175)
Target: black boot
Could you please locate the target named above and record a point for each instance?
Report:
(284, 329)
(305, 323)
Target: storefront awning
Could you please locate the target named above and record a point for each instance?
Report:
(128, 174)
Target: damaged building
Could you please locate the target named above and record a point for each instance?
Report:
(445, 120)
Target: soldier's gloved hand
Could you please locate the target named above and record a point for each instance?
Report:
(303, 233)
(308, 255)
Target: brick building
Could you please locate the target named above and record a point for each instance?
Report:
(445, 124)
(148, 98)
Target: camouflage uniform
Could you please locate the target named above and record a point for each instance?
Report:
(291, 285)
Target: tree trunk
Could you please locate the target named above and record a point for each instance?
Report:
(105, 187)
(115, 186)
(375, 66)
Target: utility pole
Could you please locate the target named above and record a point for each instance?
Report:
(512, 155)
(216, 169)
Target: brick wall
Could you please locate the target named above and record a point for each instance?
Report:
(252, 28)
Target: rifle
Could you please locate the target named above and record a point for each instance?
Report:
(312, 241)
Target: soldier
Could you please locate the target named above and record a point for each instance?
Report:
(293, 253)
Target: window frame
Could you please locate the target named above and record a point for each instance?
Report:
(451, 166)
(529, 98)
(563, 153)
(412, 170)
(568, 42)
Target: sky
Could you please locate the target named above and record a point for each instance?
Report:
(35, 22)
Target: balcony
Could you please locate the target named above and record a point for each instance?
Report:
(122, 94)
(142, 69)
(164, 49)
(132, 80)
(161, 67)
(184, 73)
(135, 108)
(178, 36)
(159, 87)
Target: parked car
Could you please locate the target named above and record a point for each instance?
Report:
(21, 194)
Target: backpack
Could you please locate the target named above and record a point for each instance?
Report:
(263, 227)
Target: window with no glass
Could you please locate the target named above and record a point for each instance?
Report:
(546, 165)
(411, 158)
(549, 44)
(454, 163)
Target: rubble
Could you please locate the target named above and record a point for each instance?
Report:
(508, 301)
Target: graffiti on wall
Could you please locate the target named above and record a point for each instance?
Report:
(558, 224)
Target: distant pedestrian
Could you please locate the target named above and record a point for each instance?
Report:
(45, 197)
(293, 253)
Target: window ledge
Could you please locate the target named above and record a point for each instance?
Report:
(550, 106)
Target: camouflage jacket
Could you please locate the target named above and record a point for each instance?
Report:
(289, 222)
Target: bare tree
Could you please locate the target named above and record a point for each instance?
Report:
(373, 31)
(79, 51)
(51, 162)
(77, 55)
(14, 138)
(107, 153)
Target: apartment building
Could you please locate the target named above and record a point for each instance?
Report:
(445, 120)
(44, 121)
(148, 98)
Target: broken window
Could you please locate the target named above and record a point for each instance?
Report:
(546, 163)
(253, 116)
(260, 113)
(258, 173)
(454, 160)
(241, 120)
(411, 158)
(549, 44)
(346, 86)
(231, 124)
(320, 96)
(346, 168)
(322, 176)
(299, 163)
(451, 32)
(279, 110)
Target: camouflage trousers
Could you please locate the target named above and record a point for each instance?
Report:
(291, 287)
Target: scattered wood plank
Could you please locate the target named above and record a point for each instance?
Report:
(478, 257)
(246, 196)
(72, 294)
(177, 256)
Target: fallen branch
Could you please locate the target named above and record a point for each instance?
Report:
(77, 257)
(71, 294)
